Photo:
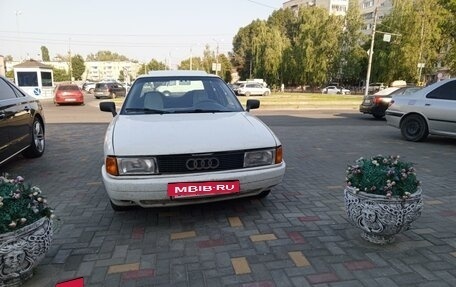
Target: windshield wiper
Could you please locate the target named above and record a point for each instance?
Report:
(147, 110)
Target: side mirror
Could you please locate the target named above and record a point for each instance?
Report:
(108, 107)
(252, 104)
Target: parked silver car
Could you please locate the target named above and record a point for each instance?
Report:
(431, 110)
(335, 90)
(253, 89)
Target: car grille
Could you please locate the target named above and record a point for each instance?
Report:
(194, 163)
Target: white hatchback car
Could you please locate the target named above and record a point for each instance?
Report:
(335, 90)
(253, 89)
(195, 147)
(431, 110)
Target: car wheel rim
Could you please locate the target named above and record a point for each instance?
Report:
(38, 136)
(413, 128)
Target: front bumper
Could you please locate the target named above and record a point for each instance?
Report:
(151, 191)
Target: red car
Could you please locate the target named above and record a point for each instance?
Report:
(68, 94)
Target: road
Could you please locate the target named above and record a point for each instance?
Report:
(297, 236)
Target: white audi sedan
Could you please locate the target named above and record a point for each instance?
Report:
(189, 146)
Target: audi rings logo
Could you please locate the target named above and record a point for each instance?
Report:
(202, 163)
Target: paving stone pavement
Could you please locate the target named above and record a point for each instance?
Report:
(298, 236)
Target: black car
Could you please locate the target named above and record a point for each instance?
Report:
(21, 123)
(109, 90)
(377, 103)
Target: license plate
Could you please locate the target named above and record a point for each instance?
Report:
(70, 100)
(189, 189)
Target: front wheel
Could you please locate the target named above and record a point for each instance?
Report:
(266, 94)
(414, 128)
(36, 148)
(91, 91)
(113, 96)
(263, 194)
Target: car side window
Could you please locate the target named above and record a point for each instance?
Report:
(444, 92)
(6, 92)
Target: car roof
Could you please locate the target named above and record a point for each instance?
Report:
(174, 73)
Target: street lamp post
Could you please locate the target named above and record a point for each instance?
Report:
(371, 52)
(18, 13)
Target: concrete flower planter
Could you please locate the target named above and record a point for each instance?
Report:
(22, 250)
(381, 218)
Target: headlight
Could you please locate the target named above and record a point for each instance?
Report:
(131, 165)
(259, 157)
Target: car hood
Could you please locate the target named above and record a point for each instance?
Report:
(186, 133)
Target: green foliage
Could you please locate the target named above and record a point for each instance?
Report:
(153, 65)
(106, 56)
(45, 54)
(20, 204)
(381, 175)
(78, 66)
(10, 74)
(60, 75)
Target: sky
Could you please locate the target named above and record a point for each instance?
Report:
(165, 30)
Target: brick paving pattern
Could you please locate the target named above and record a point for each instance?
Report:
(298, 236)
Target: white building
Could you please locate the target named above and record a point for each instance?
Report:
(335, 7)
(367, 8)
(97, 70)
(340, 7)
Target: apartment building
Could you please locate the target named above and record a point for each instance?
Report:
(368, 7)
(340, 7)
(335, 7)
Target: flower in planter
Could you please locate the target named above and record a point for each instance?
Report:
(20, 204)
(383, 175)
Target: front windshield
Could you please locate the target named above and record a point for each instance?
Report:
(179, 94)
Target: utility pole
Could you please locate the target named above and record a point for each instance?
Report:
(69, 58)
(216, 60)
(191, 56)
(371, 52)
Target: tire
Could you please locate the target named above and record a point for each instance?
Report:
(166, 93)
(113, 95)
(414, 128)
(91, 91)
(378, 116)
(265, 94)
(119, 207)
(37, 146)
(97, 98)
(263, 194)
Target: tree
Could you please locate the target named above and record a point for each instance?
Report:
(60, 75)
(8, 58)
(121, 76)
(153, 65)
(78, 67)
(45, 54)
(421, 40)
(317, 45)
(350, 66)
(106, 56)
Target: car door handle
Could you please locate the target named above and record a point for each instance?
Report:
(427, 105)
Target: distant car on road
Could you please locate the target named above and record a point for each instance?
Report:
(89, 87)
(21, 123)
(253, 89)
(377, 103)
(335, 90)
(431, 110)
(374, 87)
(110, 90)
(68, 94)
